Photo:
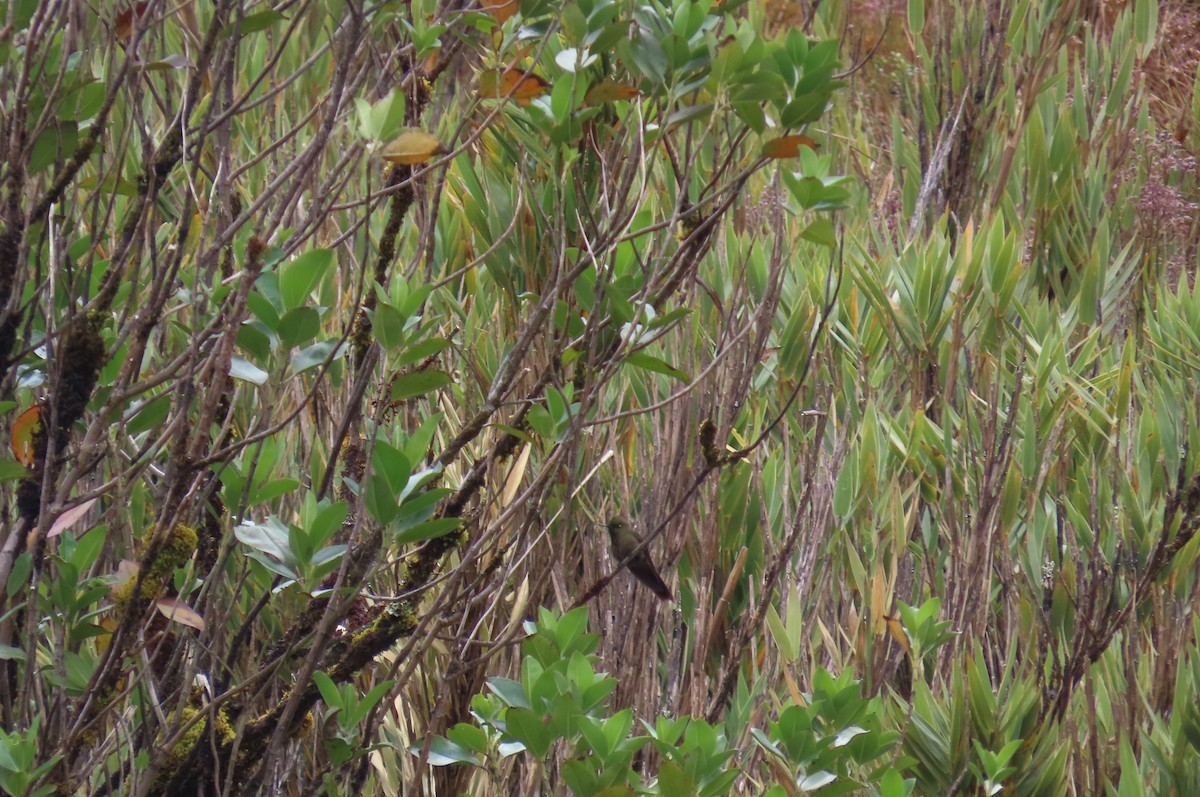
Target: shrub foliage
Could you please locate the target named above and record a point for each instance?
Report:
(332, 332)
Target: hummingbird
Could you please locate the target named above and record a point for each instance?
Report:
(624, 540)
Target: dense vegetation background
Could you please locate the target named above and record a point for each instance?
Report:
(331, 331)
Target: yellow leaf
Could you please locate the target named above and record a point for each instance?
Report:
(512, 484)
(23, 429)
(881, 599)
(787, 146)
(898, 633)
(109, 625)
(523, 87)
(793, 688)
(411, 147)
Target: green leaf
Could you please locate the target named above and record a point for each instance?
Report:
(527, 727)
(648, 362)
(327, 555)
(419, 508)
(329, 691)
(79, 672)
(1130, 783)
(593, 734)
(673, 782)
(429, 530)
(416, 448)
(442, 752)
(255, 342)
(298, 278)
(264, 300)
(689, 113)
(1145, 25)
(891, 784)
(389, 462)
(18, 577)
(414, 301)
(283, 571)
(782, 640)
(241, 368)
(648, 56)
(369, 700)
(339, 751)
(270, 537)
(666, 319)
(380, 499)
(570, 626)
(8, 763)
(82, 103)
(316, 354)
(110, 184)
(383, 120)
(299, 325)
(53, 143)
(469, 736)
(253, 23)
(617, 727)
(418, 384)
(509, 691)
(150, 414)
(165, 64)
(422, 350)
(10, 469)
(820, 232)
(916, 16)
(804, 109)
(387, 323)
(328, 520)
(272, 490)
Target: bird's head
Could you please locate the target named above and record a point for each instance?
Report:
(617, 525)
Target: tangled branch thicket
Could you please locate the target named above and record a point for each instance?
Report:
(317, 409)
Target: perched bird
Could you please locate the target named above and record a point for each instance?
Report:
(624, 540)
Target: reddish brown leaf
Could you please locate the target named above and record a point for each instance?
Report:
(787, 146)
(500, 10)
(610, 91)
(125, 20)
